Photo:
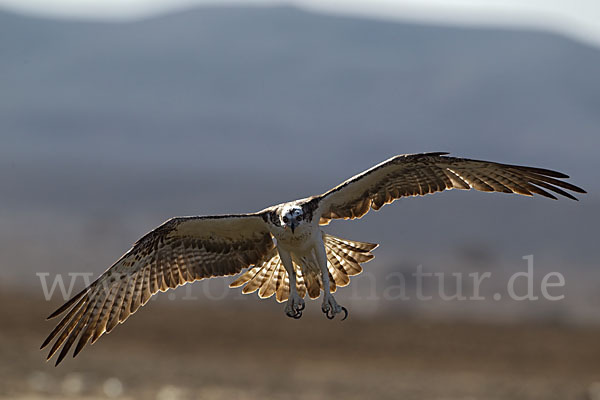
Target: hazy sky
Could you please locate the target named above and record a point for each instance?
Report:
(577, 18)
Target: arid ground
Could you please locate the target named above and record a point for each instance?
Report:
(186, 351)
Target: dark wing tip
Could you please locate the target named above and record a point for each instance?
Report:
(569, 195)
(546, 194)
(548, 179)
(578, 189)
(55, 314)
(46, 343)
(549, 172)
(61, 356)
(540, 171)
(69, 303)
(537, 184)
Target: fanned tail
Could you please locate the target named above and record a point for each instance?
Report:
(270, 277)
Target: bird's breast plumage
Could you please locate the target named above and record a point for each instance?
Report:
(294, 241)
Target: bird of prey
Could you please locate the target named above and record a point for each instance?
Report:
(286, 252)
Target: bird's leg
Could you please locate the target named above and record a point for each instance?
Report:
(330, 307)
(295, 303)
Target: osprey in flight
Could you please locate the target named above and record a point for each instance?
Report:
(287, 253)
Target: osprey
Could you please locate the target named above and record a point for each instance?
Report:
(287, 253)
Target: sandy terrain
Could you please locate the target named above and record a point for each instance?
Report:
(186, 351)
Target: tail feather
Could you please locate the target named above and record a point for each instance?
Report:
(244, 278)
(352, 245)
(332, 284)
(282, 285)
(257, 281)
(349, 264)
(339, 274)
(343, 261)
(267, 288)
(300, 281)
(313, 284)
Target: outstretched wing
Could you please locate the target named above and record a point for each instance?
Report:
(181, 250)
(421, 174)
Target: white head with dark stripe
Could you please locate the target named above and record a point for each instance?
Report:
(291, 217)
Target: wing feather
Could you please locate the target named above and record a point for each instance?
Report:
(66, 319)
(78, 326)
(88, 331)
(181, 250)
(421, 174)
(282, 290)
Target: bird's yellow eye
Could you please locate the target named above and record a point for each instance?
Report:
(285, 220)
(298, 218)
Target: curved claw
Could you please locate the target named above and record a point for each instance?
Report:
(345, 313)
(329, 314)
(301, 307)
(297, 315)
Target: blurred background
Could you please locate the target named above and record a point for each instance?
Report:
(116, 115)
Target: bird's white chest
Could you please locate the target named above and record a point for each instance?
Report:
(300, 239)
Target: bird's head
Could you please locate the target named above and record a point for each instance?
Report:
(291, 217)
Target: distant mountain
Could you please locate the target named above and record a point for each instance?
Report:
(194, 83)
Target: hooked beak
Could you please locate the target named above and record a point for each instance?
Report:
(293, 225)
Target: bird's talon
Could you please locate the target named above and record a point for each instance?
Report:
(331, 308)
(294, 306)
(345, 313)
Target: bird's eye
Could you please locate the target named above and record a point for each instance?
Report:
(298, 218)
(285, 220)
